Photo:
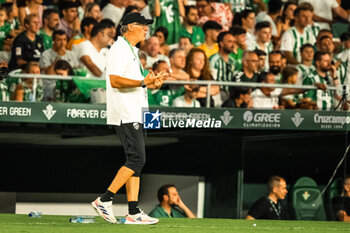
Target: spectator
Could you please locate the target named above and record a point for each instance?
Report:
(290, 76)
(93, 53)
(324, 10)
(247, 21)
(238, 6)
(325, 74)
(221, 64)
(170, 204)
(197, 66)
(50, 57)
(114, 10)
(306, 66)
(167, 14)
(112, 26)
(82, 8)
(69, 23)
(262, 39)
(58, 52)
(266, 97)
(51, 19)
(341, 204)
(162, 34)
(326, 45)
(165, 95)
(298, 35)
(4, 83)
(219, 12)
(143, 8)
(12, 15)
(66, 90)
(288, 15)
(29, 89)
(344, 56)
(239, 98)
(5, 27)
(275, 64)
(189, 28)
(240, 45)
(178, 64)
(322, 33)
(86, 26)
(270, 206)
(31, 7)
(153, 52)
(185, 44)
(27, 46)
(188, 100)
(93, 10)
(211, 30)
(249, 71)
(272, 15)
(262, 60)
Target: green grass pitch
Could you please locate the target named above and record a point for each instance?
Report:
(11, 223)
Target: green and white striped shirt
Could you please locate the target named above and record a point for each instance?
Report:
(292, 40)
(303, 71)
(236, 5)
(323, 99)
(4, 94)
(252, 45)
(221, 70)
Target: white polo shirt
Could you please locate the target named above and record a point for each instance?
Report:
(113, 13)
(99, 58)
(124, 105)
(261, 101)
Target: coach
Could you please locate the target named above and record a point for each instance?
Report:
(127, 83)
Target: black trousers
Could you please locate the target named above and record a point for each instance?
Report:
(132, 136)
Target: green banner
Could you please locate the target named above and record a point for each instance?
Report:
(69, 113)
(86, 85)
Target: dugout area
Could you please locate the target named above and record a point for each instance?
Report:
(61, 158)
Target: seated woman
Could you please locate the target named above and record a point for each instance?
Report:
(28, 89)
(197, 66)
(341, 204)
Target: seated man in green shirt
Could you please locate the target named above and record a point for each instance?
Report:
(171, 205)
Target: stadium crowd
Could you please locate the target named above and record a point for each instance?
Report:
(251, 41)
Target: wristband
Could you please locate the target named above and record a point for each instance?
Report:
(143, 85)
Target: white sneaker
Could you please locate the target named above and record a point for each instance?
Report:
(104, 209)
(140, 218)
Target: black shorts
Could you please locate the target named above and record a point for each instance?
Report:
(132, 136)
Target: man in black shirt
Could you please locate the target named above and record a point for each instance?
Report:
(250, 61)
(27, 46)
(341, 204)
(270, 207)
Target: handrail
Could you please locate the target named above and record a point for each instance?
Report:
(207, 83)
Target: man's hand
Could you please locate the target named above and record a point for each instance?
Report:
(321, 86)
(333, 71)
(155, 81)
(187, 211)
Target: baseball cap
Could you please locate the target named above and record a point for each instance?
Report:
(135, 17)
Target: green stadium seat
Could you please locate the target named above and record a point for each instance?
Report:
(334, 190)
(306, 200)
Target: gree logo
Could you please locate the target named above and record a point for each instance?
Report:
(248, 116)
